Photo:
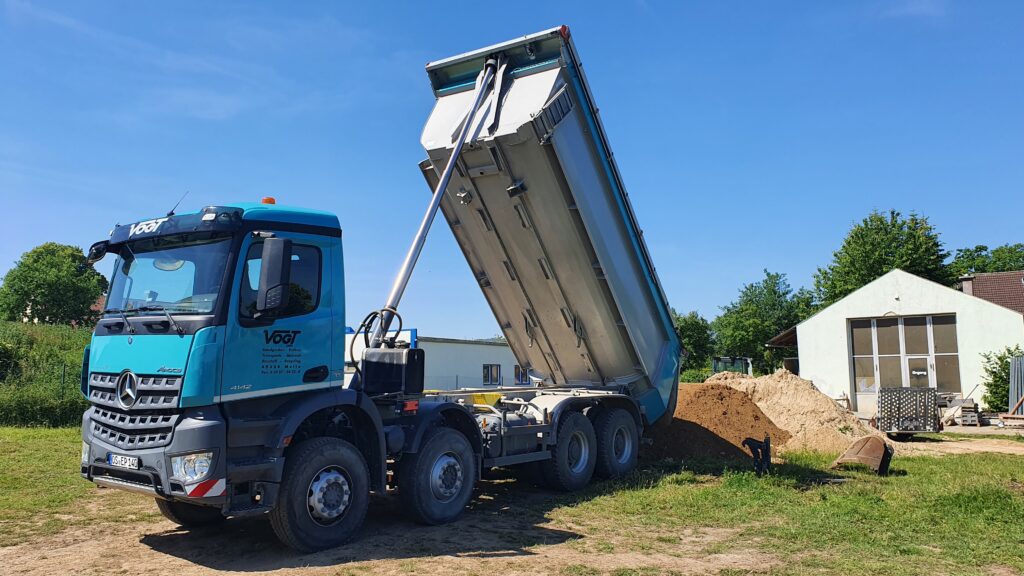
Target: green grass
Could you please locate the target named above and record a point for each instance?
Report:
(1018, 437)
(954, 514)
(41, 491)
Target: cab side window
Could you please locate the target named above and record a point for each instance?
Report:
(303, 291)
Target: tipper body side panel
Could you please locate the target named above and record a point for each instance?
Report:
(538, 208)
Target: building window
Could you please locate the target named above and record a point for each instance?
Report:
(522, 376)
(913, 351)
(492, 374)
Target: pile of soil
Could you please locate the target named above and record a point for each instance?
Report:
(711, 421)
(814, 420)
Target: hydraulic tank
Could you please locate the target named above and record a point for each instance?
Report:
(539, 209)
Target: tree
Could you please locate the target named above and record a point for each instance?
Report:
(1005, 258)
(695, 334)
(997, 378)
(52, 283)
(762, 310)
(877, 245)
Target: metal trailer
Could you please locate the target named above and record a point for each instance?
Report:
(907, 411)
(538, 207)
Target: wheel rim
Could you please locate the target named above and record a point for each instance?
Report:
(329, 494)
(622, 445)
(579, 452)
(446, 477)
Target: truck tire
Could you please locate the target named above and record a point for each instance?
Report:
(436, 483)
(618, 443)
(324, 495)
(189, 515)
(574, 456)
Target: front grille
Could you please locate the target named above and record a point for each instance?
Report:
(148, 424)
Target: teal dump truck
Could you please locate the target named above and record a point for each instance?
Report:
(215, 376)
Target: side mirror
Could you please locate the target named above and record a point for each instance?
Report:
(97, 251)
(275, 275)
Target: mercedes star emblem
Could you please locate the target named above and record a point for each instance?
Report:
(127, 389)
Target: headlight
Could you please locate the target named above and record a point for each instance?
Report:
(85, 453)
(191, 467)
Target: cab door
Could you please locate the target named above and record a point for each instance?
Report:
(289, 349)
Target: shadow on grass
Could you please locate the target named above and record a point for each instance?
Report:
(507, 517)
(794, 472)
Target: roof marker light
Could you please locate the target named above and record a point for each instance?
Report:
(268, 200)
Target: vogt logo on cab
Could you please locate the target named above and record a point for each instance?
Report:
(284, 337)
(146, 226)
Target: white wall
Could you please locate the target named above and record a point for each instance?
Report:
(981, 326)
(451, 364)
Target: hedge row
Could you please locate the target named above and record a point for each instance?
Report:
(40, 406)
(40, 373)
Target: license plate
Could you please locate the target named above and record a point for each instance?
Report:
(130, 462)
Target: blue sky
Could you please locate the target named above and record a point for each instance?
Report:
(750, 135)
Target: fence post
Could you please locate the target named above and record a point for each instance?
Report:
(63, 375)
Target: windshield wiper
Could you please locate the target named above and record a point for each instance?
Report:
(131, 329)
(170, 319)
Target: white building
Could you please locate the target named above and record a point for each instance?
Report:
(902, 330)
(453, 364)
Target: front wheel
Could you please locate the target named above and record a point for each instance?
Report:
(324, 495)
(436, 483)
(189, 515)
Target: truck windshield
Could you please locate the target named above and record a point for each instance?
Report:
(181, 273)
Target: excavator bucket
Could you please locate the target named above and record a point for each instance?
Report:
(870, 451)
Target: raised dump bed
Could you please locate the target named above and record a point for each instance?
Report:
(538, 207)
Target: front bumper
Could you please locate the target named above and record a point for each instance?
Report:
(197, 430)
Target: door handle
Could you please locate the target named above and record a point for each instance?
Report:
(318, 374)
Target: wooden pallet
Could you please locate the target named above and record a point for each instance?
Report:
(1011, 419)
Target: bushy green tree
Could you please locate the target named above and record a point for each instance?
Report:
(1005, 258)
(877, 245)
(695, 334)
(997, 377)
(53, 284)
(762, 310)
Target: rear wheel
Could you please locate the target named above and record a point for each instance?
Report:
(189, 515)
(618, 443)
(324, 495)
(436, 483)
(573, 459)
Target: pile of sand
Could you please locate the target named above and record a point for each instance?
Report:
(711, 421)
(814, 420)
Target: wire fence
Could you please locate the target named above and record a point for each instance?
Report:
(41, 395)
(60, 378)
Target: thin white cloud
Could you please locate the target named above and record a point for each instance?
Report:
(144, 52)
(929, 9)
(195, 103)
(199, 86)
(159, 81)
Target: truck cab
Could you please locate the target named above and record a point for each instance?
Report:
(220, 328)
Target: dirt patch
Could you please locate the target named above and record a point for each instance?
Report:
(711, 421)
(498, 534)
(940, 447)
(814, 420)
